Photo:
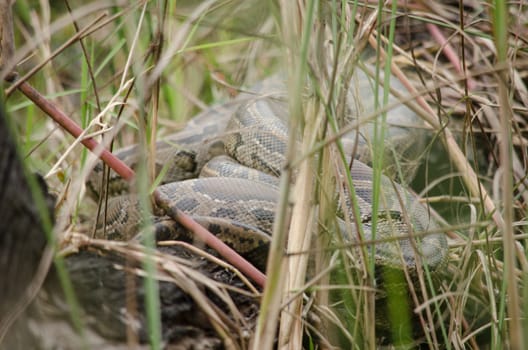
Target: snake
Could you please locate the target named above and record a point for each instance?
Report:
(223, 169)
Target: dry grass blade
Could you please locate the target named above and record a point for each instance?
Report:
(299, 239)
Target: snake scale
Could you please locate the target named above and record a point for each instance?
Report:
(223, 168)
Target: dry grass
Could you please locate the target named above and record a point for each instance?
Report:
(146, 68)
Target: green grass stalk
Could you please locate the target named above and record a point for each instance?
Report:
(500, 31)
(143, 178)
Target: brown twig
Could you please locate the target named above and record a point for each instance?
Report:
(128, 174)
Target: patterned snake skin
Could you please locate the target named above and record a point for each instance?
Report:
(223, 169)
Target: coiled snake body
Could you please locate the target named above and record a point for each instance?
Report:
(238, 205)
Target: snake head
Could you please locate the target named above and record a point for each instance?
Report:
(400, 242)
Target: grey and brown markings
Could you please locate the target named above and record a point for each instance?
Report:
(242, 145)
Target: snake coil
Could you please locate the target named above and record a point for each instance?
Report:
(242, 144)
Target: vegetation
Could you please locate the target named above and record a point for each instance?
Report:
(136, 71)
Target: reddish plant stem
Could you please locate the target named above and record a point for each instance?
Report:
(211, 240)
(70, 126)
(449, 52)
(128, 174)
